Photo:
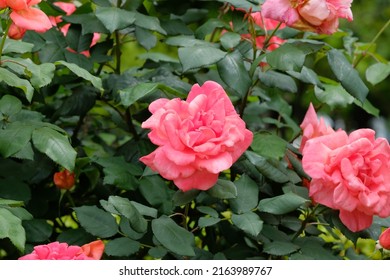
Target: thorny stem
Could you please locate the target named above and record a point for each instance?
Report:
(255, 60)
(363, 55)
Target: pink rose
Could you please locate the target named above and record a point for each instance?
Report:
(384, 239)
(321, 16)
(350, 173)
(313, 127)
(62, 251)
(26, 17)
(197, 138)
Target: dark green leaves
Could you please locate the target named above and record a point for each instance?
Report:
(55, 145)
(223, 189)
(11, 227)
(114, 18)
(233, 72)
(281, 204)
(200, 56)
(173, 237)
(96, 221)
(347, 75)
(249, 222)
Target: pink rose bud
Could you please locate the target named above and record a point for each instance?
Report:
(384, 239)
(196, 138)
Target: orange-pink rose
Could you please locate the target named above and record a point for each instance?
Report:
(62, 251)
(384, 239)
(197, 138)
(320, 16)
(25, 17)
(350, 173)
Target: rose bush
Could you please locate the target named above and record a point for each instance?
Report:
(320, 16)
(197, 138)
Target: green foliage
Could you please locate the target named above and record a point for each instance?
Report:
(67, 102)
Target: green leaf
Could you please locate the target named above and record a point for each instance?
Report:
(10, 105)
(82, 73)
(156, 192)
(278, 80)
(267, 168)
(347, 75)
(121, 247)
(14, 188)
(306, 75)
(281, 204)
(207, 221)
(119, 172)
(377, 72)
(269, 145)
(223, 189)
(145, 38)
(173, 237)
(233, 72)
(37, 230)
(145, 210)
(13, 80)
(127, 209)
(114, 18)
(148, 22)
(76, 236)
(96, 221)
(11, 227)
(55, 145)
(181, 198)
(16, 46)
(14, 138)
(200, 56)
(287, 58)
(247, 195)
(229, 40)
(208, 210)
(249, 222)
(132, 94)
(280, 248)
(333, 95)
(186, 41)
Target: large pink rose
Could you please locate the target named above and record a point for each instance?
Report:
(321, 16)
(350, 173)
(62, 251)
(312, 126)
(197, 138)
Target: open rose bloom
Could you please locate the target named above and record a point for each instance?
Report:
(320, 16)
(25, 17)
(197, 138)
(62, 251)
(349, 173)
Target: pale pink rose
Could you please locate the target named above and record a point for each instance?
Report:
(384, 239)
(312, 126)
(62, 251)
(26, 17)
(197, 138)
(320, 16)
(350, 173)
